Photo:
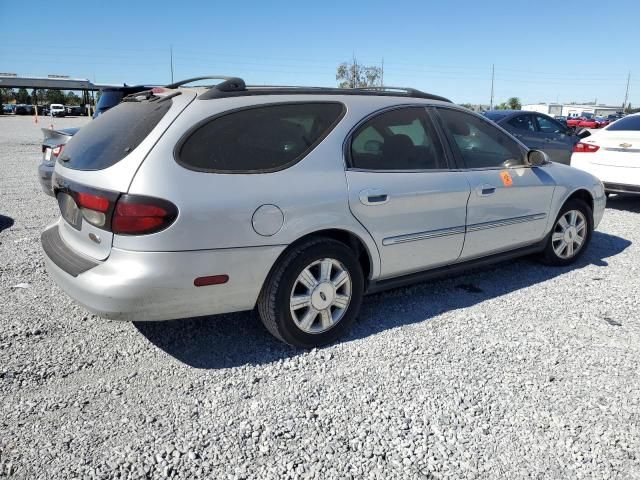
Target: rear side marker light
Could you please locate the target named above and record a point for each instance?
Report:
(585, 148)
(211, 280)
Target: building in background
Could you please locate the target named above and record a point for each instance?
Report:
(572, 109)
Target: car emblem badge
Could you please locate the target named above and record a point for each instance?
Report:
(625, 145)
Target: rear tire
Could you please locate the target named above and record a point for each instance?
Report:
(570, 235)
(313, 295)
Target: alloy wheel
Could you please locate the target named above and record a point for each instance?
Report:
(569, 234)
(320, 295)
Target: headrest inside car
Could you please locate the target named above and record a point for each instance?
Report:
(459, 128)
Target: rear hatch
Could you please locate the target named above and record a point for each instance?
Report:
(96, 168)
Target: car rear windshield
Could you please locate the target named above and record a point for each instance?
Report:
(258, 139)
(105, 141)
(626, 123)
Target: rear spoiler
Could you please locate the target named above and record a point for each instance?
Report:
(58, 133)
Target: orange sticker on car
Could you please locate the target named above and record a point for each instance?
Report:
(507, 181)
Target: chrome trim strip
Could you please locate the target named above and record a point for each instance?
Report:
(444, 232)
(412, 237)
(505, 222)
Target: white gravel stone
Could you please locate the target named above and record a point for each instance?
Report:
(518, 371)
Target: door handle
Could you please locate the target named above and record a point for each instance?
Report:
(485, 190)
(373, 196)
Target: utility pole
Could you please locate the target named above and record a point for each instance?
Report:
(493, 72)
(382, 74)
(626, 93)
(354, 70)
(171, 60)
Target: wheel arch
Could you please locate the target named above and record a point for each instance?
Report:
(581, 194)
(350, 239)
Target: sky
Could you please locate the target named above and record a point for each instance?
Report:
(543, 51)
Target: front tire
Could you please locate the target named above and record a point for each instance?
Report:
(313, 295)
(570, 235)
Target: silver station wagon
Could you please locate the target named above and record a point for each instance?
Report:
(184, 202)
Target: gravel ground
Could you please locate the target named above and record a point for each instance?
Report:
(520, 371)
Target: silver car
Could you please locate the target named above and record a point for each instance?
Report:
(183, 202)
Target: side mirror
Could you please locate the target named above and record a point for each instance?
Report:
(537, 158)
(584, 134)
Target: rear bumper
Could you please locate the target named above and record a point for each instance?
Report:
(139, 286)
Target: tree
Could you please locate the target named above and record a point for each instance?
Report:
(354, 75)
(72, 99)
(55, 96)
(22, 96)
(514, 103)
(6, 95)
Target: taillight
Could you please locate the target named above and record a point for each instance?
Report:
(585, 148)
(94, 207)
(115, 212)
(139, 215)
(57, 150)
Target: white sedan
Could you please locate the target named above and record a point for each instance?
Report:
(613, 155)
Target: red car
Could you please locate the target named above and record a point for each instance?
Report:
(597, 122)
(574, 121)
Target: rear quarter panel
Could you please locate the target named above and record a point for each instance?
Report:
(215, 210)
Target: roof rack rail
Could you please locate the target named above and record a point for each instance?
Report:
(233, 86)
(230, 84)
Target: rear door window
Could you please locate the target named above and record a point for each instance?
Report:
(259, 139)
(399, 139)
(109, 138)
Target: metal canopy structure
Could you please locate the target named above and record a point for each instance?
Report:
(50, 82)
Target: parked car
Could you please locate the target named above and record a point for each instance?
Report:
(22, 109)
(612, 154)
(594, 122)
(8, 109)
(298, 201)
(75, 110)
(112, 96)
(562, 119)
(57, 110)
(537, 131)
(52, 146)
